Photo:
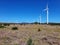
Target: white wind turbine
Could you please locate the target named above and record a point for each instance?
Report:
(47, 9)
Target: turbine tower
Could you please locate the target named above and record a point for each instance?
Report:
(47, 12)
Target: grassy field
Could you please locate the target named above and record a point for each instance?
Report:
(30, 34)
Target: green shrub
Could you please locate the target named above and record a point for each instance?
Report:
(14, 28)
(29, 42)
(2, 26)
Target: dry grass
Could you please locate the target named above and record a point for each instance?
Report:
(46, 36)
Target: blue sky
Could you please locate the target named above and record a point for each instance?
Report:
(28, 10)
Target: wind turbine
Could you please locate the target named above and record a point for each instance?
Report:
(47, 11)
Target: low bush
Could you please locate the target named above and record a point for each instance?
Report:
(39, 29)
(29, 42)
(14, 28)
(2, 26)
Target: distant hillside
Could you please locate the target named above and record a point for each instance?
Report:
(33, 23)
(54, 23)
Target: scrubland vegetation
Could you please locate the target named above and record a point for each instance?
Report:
(29, 34)
(14, 28)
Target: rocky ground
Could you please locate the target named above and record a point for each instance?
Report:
(47, 35)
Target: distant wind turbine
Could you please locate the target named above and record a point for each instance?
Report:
(47, 9)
